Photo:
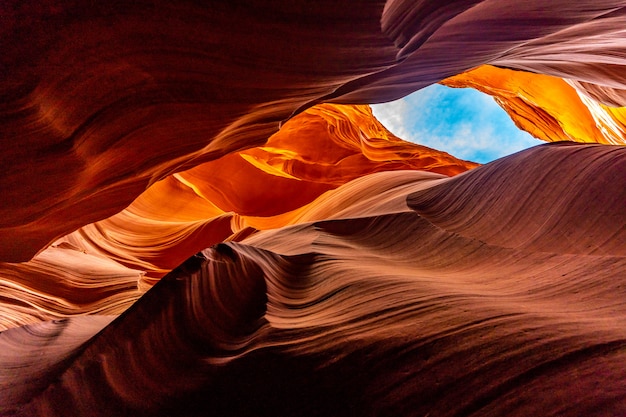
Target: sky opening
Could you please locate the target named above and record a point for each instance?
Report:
(461, 121)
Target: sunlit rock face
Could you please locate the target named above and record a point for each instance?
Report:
(407, 310)
(98, 103)
(535, 103)
(264, 187)
(201, 216)
(291, 179)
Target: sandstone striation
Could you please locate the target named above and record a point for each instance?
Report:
(354, 314)
(535, 104)
(101, 102)
(200, 214)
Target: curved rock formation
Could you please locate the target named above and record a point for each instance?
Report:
(98, 104)
(315, 152)
(287, 181)
(364, 310)
(347, 272)
(535, 104)
(63, 281)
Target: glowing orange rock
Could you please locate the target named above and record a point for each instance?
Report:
(316, 151)
(536, 103)
(497, 311)
(96, 106)
(481, 293)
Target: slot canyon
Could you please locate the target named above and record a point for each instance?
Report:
(202, 216)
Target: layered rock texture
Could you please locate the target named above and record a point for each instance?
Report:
(550, 108)
(202, 216)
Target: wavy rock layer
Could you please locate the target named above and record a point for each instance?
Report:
(342, 277)
(63, 281)
(100, 102)
(356, 317)
(315, 152)
(535, 102)
(113, 261)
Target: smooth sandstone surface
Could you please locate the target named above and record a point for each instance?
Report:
(404, 312)
(200, 214)
(549, 108)
(99, 102)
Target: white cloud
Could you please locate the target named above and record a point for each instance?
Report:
(394, 116)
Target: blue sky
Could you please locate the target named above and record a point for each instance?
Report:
(461, 121)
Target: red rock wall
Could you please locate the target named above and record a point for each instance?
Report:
(342, 271)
